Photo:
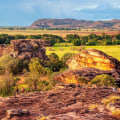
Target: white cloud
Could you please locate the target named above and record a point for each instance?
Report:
(114, 3)
(56, 6)
(65, 8)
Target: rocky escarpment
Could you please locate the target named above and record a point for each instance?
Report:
(64, 102)
(73, 23)
(25, 49)
(90, 63)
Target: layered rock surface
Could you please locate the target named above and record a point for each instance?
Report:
(25, 49)
(64, 102)
(90, 63)
(95, 59)
(72, 76)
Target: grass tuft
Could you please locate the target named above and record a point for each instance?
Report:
(110, 99)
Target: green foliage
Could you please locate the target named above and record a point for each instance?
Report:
(118, 36)
(82, 81)
(91, 42)
(53, 57)
(71, 37)
(93, 39)
(10, 64)
(33, 37)
(54, 63)
(5, 38)
(18, 36)
(103, 79)
(7, 85)
(76, 42)
(52, 38)
(67, 56)
(43, 83)
(36, 71)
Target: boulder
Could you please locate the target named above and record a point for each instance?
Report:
(90, 63)
(95, 59)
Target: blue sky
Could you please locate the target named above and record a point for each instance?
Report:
(24, 12)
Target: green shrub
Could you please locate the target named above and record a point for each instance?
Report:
(103, 79)
(54, 63)
(10, 64)
(7, 85)
(66, 57)
(43, 83)
(82, 80)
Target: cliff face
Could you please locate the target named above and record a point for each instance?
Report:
(90, 63)
(25, 49)
(95, 59)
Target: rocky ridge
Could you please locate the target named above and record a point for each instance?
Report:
(64, 102)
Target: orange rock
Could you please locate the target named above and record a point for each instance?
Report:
(95, 59)
(90, 63)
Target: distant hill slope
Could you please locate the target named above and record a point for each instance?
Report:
(73, 23)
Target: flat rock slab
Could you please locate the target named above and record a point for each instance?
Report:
(69, 102)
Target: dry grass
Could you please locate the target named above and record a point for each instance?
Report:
(61, 33)
(93, 106)
(110, 99)
(110, 50)
(116, 113)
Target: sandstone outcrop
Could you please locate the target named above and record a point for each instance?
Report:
(68, 103)
(95, 59)
(72, 76)
(90, 63)
(25, 49)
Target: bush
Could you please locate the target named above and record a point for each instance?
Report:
(76, 42)
(53, 57)
(82, 81)
(10, 64)
(103, 79)
(36, 70)
(110, 99)
(54, 63)
(7, 85)
(66, 57)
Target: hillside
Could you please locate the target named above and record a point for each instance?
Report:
(73, 23)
